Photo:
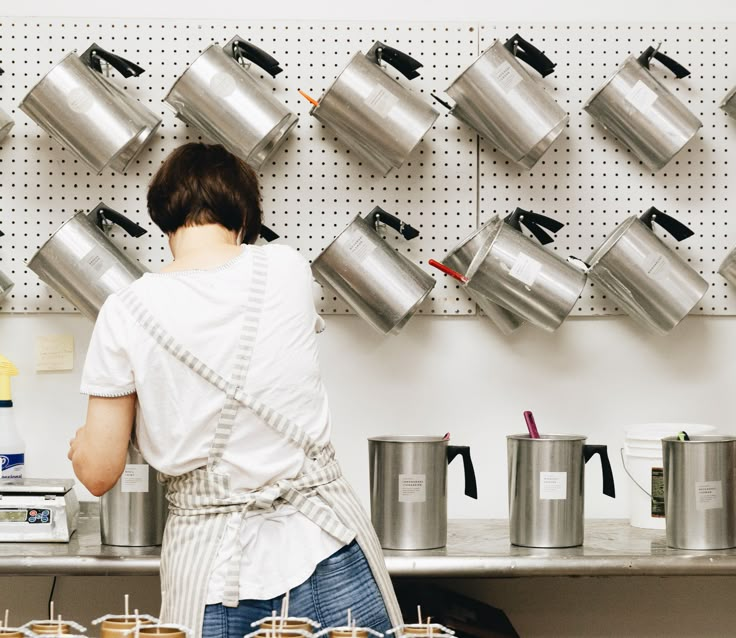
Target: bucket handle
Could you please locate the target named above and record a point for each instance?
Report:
(402, 62)
(102, 213)
(471, 486)
(379, 216)
(92, 56)
(533, 221)
(267, 234)
(651, 52)
(609, 488)
(527, 52)
(241, 50)
(675, 228)
(626, 469)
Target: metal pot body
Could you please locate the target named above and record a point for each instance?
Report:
(133, 513)
(83, 265)
(700, 502)
(460, 258)
(727, 269)
(374, 114)
(378, 283)
(648, 279)
(121, 626)
(101, 124)
(729, 103)
(6, 123)
(408, 482)
(506, 105)
(530, 281)
(219, 97)
(546, 490)
(644, 114)
(5, 284)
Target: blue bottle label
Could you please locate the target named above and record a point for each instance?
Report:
(11, 465)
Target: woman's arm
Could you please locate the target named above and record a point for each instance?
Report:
(98, 450)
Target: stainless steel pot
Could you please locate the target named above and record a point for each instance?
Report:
(408, 481)
(82, 264)
(505, 104)
(372, 113)
(5, 282)
(378, 283)
(648, 280)
(643, 113)
(231, 106)
(6, 122)
(547, 488)
(728, 104)
(727, 269)
(133, 513)
(91, 116)
(700, 496)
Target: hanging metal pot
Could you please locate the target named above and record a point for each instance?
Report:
(643, 113)
(83, 111)
(648, 279)
(5, 282)
(81, 263)
(378, 283)
(218, 95)
(6, 122)
(727, 269)
(372, 113)
(728, 104)
(505, 104)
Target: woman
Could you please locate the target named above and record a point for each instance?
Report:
(215, 359)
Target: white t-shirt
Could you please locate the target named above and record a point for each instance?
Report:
(177, 410)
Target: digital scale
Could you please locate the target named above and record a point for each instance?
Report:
(38, 511)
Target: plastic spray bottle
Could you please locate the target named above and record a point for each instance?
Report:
(12, 447)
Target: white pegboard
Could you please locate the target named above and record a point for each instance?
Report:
(591, 181)
(312, 188)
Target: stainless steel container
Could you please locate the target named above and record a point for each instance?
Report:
(86, 113)
(727, 269)
(700, 502)
(728, 104)
(372, 113)
(506, 105)
(547, 488)
(230, 105)
(408, 479)
(6, 123)
(112, 626)
(6, 283)
(523, 277)
(82, 264)
(648, 279)
(643, 113)
(133, 513)
(378, 283)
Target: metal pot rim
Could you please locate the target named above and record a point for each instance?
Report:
(727, 97)
(332, 84)
(478, 59)
(408, 438)
(609, 242)
(547, 437)
(73, 52)
(599, 90)
(728, 258)
(492, 221)
(56, 232)
(358, 216)
(184, 72)
(703, 439)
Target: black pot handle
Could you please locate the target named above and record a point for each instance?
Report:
(380, 216)
(239, 49)
(442, 102)
(92, 56)
(2, 234)
(534, 222)
(1, 72)
(471, 486)
(402, 62)
(646, 57)
(102, 213)
(527, 52)
(609, 489)
(268, 234)
(675, 228)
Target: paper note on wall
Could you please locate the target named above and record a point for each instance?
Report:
(54, 352)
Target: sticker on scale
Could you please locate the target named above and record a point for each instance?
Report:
(525, 269)
(708, 495)
(553, 486)
(641, 96)
(134, 478)
(412, 488)
(507, 76)
(381, 100)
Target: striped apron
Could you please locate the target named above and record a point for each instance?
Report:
(201, 502)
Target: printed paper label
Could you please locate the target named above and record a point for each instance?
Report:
(708, 495)
(641, 96)
(360, 248)
(507, 76)
(657, 492)
(54, 353)
(134, 478)
(525, 269)
(657, 266)
(79, 100)
(381, 100)
(412, 488)
(97, 261)
(553, 486)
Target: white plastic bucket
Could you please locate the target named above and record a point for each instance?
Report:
(642, 459)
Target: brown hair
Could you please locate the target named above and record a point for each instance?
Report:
(205, 184)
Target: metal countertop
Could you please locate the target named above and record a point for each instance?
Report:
(475, 549)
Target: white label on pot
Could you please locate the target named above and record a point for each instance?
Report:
(708, 495)
(657, 266)
(381, 100)
(79, 100)
(525, 269)
(553, 486)
(360, 248)
(134, 478)
(222, 84)
(507, 76)
(641, 96)
(412, 488)
(96, 261)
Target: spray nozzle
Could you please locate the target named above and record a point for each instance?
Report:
(7, 370)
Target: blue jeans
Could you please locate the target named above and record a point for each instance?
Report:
(340, 582)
